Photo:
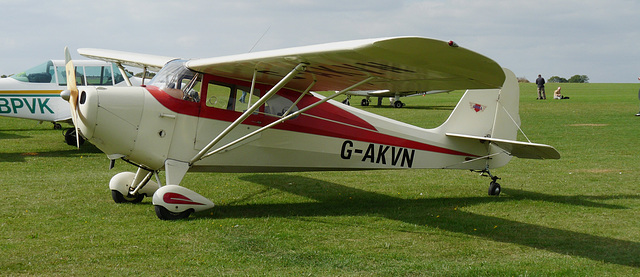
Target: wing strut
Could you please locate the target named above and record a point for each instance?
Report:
(124, 74)
(299, 68)
(284, 118)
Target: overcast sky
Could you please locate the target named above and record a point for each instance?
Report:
(597, 38)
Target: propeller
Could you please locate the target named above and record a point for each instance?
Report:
(73, 92)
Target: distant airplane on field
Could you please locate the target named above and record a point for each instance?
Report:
(35, 93)
(394, 97)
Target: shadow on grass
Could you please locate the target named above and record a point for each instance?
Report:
(4, 135)
(71, 152)
(442, 213)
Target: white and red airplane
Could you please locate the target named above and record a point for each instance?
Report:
(255, 113)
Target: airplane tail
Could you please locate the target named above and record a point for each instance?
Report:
(491, 117)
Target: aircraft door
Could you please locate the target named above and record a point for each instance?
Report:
(222, 104)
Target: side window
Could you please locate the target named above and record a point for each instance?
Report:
(98, 75)
(278, 106)
(117, 76)
(218, 96)
(62, 76)
(243, 99)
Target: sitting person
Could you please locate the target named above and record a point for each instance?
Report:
(558, 95)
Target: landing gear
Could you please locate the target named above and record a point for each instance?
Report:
(165, 214)
(119, 198)
(175, 202)
(57, 126)
(129, 187)
(494, 187)
(364, 102)
(398, 104)
(70, 137)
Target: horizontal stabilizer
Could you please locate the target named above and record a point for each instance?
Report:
(520, 149)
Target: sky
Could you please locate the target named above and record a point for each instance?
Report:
(597, 38)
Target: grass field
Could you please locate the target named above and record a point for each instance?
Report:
(577, 216)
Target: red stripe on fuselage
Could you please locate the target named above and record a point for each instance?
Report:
(332, 121)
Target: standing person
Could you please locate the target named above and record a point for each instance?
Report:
(541, 93)
(638, 114)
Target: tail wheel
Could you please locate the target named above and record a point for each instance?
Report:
(494, 188)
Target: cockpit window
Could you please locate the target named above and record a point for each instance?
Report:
(62, 76)
(117, 76)
(98, 75)
(178, 81)
(44, 73)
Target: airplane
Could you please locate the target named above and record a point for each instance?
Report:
(189, 117)
(394, 97)
(35, 92)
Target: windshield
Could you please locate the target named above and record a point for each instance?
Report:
(44, 73)
(178, 81)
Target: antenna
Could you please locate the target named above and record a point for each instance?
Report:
(254, 45)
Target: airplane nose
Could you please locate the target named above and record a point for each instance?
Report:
(110, 117)
(65, 94)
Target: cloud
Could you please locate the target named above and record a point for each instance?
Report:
(552, 37)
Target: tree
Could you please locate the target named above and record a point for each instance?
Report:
(579, 79)
(556, 79)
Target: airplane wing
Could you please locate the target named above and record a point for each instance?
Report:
(399, 64)
(151, 62)
(388, 93)
(520, 149)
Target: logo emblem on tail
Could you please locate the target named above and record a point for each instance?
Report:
(477, 107)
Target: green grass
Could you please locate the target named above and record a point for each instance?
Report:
(576, 216)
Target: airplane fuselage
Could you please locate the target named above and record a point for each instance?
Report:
(154, 126)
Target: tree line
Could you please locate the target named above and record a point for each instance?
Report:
(573, 79)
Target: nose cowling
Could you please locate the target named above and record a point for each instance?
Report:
(110, 117)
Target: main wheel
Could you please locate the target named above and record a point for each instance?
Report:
(70, 137)
(398, 104)
(165, 214)
(364, 102)
(494, 188)
(119, 198)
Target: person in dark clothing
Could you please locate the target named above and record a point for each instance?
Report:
(541, 93)
(638, 114)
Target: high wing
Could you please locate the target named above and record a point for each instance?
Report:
(398, 64)
(151, 62)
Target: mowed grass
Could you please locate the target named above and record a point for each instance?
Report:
(574, 216)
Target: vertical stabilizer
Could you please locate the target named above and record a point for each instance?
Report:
(488, 113)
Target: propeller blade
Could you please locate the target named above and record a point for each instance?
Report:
(73, 91)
